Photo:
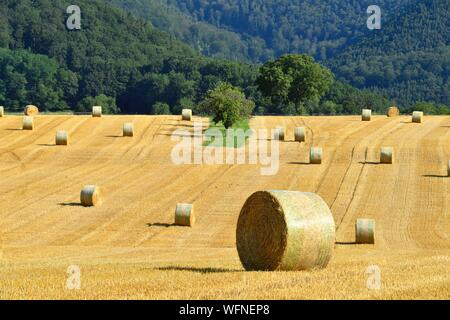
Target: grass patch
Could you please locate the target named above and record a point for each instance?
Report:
(220, 141)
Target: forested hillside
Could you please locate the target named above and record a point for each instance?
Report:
(124, 63)
(205, 38)
(113, 54)
(407, 59)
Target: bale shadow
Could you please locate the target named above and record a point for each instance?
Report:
(345, 243)
(374, 163)
(46, 145)
(10, 129)
(114, 136)
(161, 225)
(70, 204)
(435, 176)
(299, 162)
(198, 270)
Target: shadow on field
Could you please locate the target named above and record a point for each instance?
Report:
(70, 204)
(345, 243)
(435, 176)
(198, 270)
(298, 162)
(372, 163)
(46, 145)
(114, 136)
(11, 129)
(161, 225)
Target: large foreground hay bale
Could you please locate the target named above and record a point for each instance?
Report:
(90, 196)
(366, 115)
(2, 112)
(31, 110)
(285, 230)
(387, 155)
(278, 133)
(128, 129)
(315, 155)
(365, 231)
(97, 112)
(300, 134)
(62, 138)
(186, 115)
(417, 117)
(393, 112)
(184, 215)
(28, 123)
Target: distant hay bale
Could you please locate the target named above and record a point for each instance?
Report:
(90, 196)
(300, 134)
(97, 112)
(393, 112)
(31, 110)
(184, 215)
(417, 117)
(128, 129)
(366, 115)
(315, 155)
(448, 168)
(387, 155)
(28, 123)
(279, 133)
(285, 230)
(62, 138)
(2, 112)
(365, 231)
(186, 115)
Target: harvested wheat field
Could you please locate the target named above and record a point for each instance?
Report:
(129, 247)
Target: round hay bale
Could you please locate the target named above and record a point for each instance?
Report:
(62, 138)
(184, 215)
(128, 129)
(417, 117)
(186, 115)
(300, 134)
(315, 155)
(90, 196)
(31, 110)
(97, 112)
(2, 112)
(393, 112)
(279, 133)
(448, 168)
(28, 123)
(365, 231)
(366, 115)
(387, 155)
(285, 230)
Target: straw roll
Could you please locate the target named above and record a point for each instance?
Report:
(285, 230)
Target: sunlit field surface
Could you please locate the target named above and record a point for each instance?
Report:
(128, 248)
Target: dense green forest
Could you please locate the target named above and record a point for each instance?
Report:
(125, 62)
(407, 59)
(113, 54)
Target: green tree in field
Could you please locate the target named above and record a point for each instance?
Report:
(108, 104)
(294, 79)
(227, 104)
(160, 108)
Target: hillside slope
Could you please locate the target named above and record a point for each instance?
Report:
(112, 54)
(408, 59)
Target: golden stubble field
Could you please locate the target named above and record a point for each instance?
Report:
(128, 248)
